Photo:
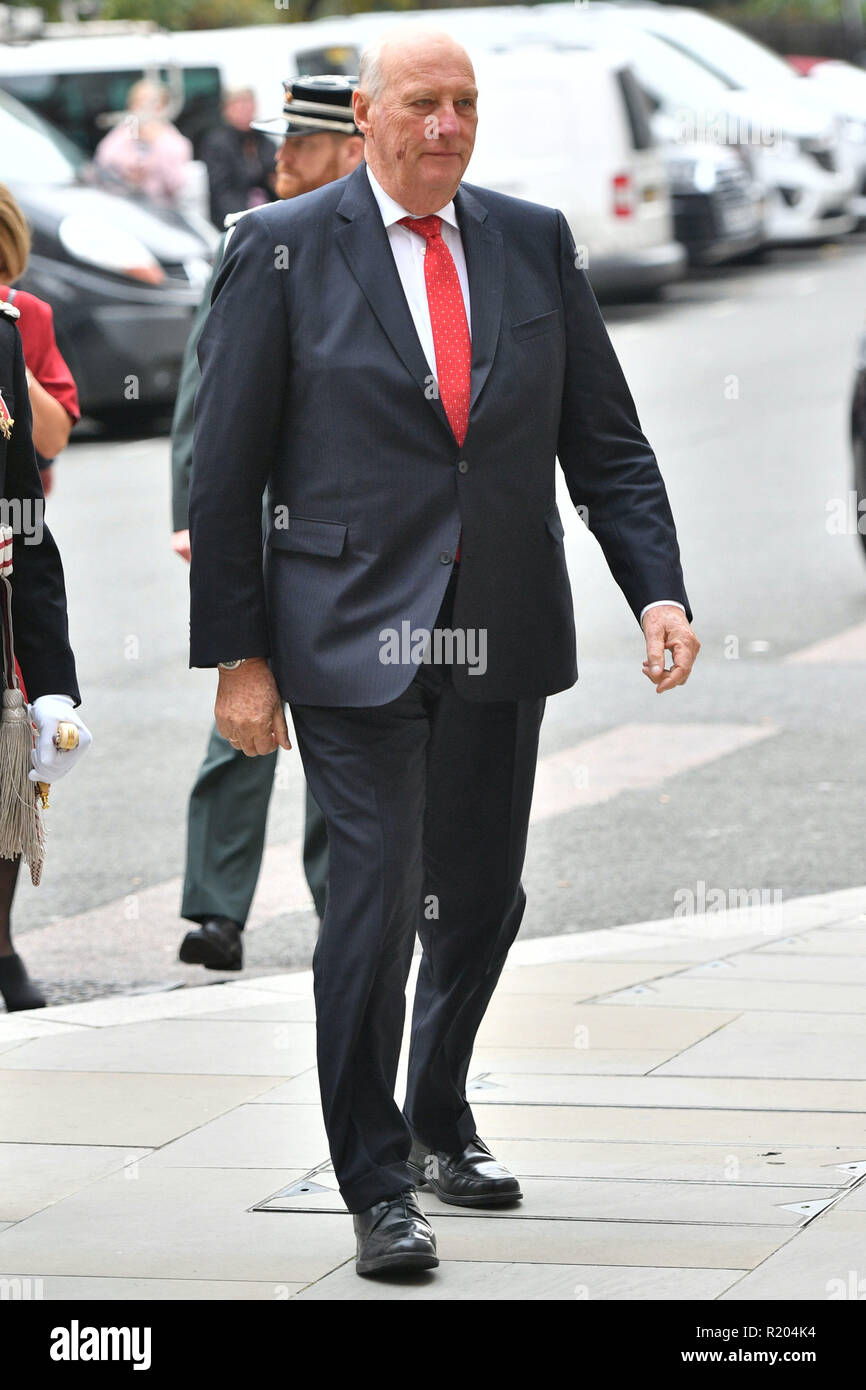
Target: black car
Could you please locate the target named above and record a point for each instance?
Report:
(122, 276)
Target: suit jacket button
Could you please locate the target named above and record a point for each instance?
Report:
(463, 466)
(445, 557)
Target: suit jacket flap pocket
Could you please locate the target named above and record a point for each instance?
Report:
(308, 537)
(529, 328)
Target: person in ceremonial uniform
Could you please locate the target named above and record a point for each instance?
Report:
(228, 806)
(53, 393)
(45, 665)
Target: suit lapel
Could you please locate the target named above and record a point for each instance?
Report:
(363, 241)
(485, 266)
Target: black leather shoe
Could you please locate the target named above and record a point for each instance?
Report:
(16, 986)
(394, 1234)
(216, 944)
(472, 1178)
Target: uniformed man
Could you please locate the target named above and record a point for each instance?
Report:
(44, 656)
(228, 805)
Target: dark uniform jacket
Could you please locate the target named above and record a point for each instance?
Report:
(38, 590)
(238, 164)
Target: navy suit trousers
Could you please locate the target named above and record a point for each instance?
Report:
(427, 802)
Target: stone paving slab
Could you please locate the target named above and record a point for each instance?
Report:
(833, 941)
(830, 1048)
(75, 1288)
(699, 991)
(674, 1245)
(580, 980)
(691, 1092)
(33, 1176)
(659, 1162)
(573, 1199)
(553, 1061)
(251, 1136)
(487, 1280)
(790, 966)
(773, 1129)
(203, 1046)
(178, 1223)
(563, 1023)
(43, 1107)
(684, 1101)
(827, 1261)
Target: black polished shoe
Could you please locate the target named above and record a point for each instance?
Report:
(472, 1178)
(217, 944)
(16, 986)
(394, 1234)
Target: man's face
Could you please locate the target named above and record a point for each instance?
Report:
(305, 162)
(240, 111)
(420, 131)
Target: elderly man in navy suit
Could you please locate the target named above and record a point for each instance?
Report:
(401, 357)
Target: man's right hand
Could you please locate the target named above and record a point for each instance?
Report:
(249, 711)
(180, 544)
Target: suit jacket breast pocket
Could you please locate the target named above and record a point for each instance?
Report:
(306, 536)
(532, 328)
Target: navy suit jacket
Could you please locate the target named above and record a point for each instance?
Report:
(314, 384)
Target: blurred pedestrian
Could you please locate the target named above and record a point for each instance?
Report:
(144, 149)
(47, 666)
(53, 394)
(229, 803)
(239, 159)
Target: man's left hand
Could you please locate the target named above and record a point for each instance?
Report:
(666, 628)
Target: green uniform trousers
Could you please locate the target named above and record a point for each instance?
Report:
(228, 812)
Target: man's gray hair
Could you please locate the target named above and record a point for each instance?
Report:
(371, 78)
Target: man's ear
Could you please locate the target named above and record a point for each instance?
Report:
(361, 110)
(354, 150)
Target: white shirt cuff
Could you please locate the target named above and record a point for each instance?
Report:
(661, 603)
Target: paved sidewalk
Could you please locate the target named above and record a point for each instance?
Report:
(684, 1101)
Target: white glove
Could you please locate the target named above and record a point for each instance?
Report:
(51, 763)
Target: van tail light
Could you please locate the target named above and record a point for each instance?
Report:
(623, 196)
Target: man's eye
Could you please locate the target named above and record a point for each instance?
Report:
(468, 102)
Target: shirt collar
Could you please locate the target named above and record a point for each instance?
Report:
(392, 212)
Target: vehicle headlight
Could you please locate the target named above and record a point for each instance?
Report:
(705, 175)
(785, 147)
(109, 247)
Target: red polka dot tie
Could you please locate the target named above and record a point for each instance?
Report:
(451, 341)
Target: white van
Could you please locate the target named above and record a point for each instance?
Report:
(570, 130)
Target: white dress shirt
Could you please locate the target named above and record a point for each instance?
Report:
(409, 249)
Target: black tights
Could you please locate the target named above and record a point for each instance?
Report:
(8, 878)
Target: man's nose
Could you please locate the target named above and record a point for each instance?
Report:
(447, 122)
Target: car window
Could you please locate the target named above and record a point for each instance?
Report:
(727, 53)
(31, 151)
(671, 76)
(636, 109)
(337, 58)
(78, 102)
